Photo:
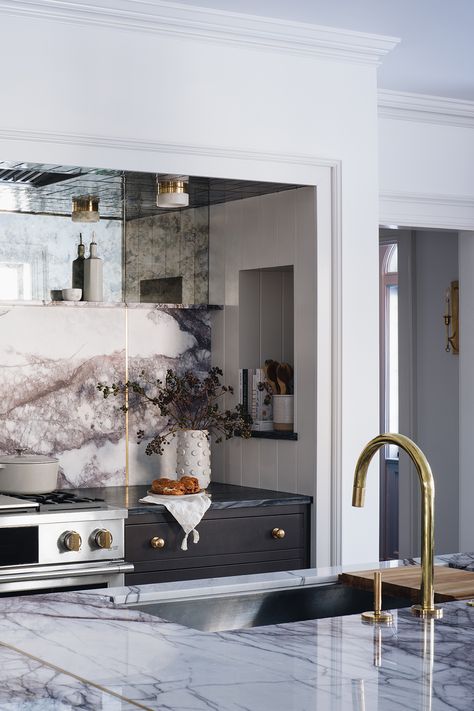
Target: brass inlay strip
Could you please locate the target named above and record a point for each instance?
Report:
(127, 452)
(94, 684)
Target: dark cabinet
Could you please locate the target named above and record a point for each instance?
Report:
(232, 542)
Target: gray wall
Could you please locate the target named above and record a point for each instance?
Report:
(431, 416)
(466, 390)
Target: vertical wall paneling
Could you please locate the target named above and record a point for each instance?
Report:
(271, 305)
(268, 464)
(268, 235)
(287, 473)
(250, 462)
(249, 319)
(288, 317)
(305, 336)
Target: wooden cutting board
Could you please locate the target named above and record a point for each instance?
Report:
(449, 583)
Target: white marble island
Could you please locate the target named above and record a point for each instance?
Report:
(85, 651)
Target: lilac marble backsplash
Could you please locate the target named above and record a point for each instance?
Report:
(50, 363)
(161, 338)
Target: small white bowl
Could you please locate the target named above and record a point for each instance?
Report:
(71, 294)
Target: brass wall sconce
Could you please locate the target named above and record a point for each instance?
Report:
(451, 318)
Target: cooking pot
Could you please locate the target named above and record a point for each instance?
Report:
(28, 473)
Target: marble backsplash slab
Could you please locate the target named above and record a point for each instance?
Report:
(159, 339)
(50, 363)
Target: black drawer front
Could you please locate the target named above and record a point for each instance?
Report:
(217, 537)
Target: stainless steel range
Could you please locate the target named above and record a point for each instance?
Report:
(60, 541)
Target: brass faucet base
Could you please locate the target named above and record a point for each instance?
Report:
(436, 613)
(384, 618)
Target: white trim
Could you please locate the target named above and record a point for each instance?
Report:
(133, 144)
(405, 209)
(336, 374)
(211, 26)
(425, 108)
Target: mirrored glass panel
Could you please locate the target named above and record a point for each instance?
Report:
(118, 236)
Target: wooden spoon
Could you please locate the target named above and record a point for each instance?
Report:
(271, 370)
(284, 377)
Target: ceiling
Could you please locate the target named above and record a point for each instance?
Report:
(48, 190)
(436, 53)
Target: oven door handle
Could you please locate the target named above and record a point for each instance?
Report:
(68, 572)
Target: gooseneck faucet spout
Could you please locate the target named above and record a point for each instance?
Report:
(427, 607)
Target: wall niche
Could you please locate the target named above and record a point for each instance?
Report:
(150, 254)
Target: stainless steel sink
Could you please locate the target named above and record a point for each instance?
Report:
(237, 611)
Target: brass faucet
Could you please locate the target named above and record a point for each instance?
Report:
(427, 607)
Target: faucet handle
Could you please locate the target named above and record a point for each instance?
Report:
(377, 615)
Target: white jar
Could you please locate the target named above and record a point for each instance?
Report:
(283, 406)
(194, 456)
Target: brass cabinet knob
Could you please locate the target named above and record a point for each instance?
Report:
(104, 539)
(72, 541)
(278, 533)
(157, 542)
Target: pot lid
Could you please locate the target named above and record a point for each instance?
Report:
(22, 458)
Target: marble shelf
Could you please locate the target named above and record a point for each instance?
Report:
(111, 305)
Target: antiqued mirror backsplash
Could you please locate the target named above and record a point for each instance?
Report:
(147, 254)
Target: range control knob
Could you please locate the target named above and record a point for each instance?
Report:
(103, 539)
(72, 541)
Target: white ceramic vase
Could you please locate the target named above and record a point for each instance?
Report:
(283, 412)
(194, 456)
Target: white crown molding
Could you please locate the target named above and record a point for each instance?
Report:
(425, 108)
(211, 26)
(155, 147)
(439, 211)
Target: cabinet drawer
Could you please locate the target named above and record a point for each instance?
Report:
(224, 536)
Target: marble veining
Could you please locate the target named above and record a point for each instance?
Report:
(329, 664)
(464, 561)
(30, 685)
(159, 339)
(50, 363)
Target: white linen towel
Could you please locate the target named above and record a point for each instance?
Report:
(187, 511)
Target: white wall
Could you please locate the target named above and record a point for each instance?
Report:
(426, 161)
(245, 99)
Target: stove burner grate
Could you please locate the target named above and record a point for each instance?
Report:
(62, 501)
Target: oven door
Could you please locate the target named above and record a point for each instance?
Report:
(58, 578)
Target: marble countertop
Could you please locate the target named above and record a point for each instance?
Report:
(87, 651)
(223, 496)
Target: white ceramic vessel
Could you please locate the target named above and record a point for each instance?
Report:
(194, 456)
(283, 414)
(71, 294)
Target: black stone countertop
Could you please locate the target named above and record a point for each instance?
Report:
(223, 496)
